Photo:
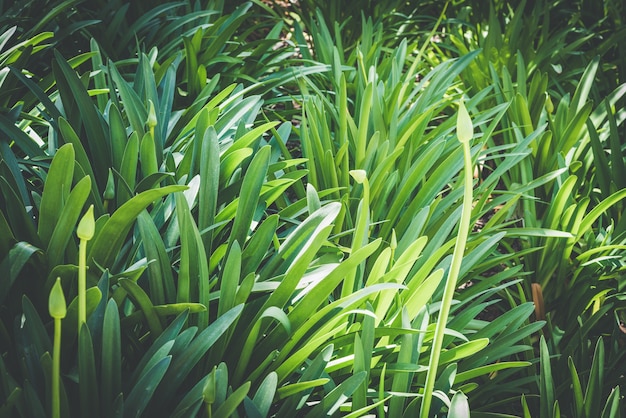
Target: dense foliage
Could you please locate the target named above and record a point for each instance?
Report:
(312, 208)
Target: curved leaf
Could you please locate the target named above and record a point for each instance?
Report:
(110, 239)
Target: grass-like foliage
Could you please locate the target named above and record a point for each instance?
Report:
(312, 208)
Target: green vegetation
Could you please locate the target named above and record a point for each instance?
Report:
(317, 208)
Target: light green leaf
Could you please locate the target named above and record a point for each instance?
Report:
(143, 303)
(459, 406)
(110, 239)
(56, 191)
(294, 388)
(463, 350)
(229, 406)
(490, 368)
(249, 195)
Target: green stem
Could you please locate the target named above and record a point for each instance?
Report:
(455, 267)
(56, 370)
(82, 283)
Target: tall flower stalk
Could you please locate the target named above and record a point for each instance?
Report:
(85, 231)
(465, 133)
(58, 309)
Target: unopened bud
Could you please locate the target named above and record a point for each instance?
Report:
(56, 301)
(87, 225)
(464, 126)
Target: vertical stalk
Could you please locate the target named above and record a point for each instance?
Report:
(82, 283)
(57, 309)
(464, 134)
(56, 370)
(85, 232)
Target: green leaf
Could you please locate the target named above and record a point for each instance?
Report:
(546, 384)
(363, 347)
(579, 401)
(128, 169)
(247, 141)
(117, 133)
(596, 381)
(194, 269)
(56, 191)
(70, 136)
(227, 408)
(264, 396)
(110, 239)
(321, 326)
(192, 402)
(22, 140)
(183, 364)
(537, 232)
(584, 87)
(133, 105)
(319, 293)
(111, 366)
(20, 220)
(313, 371)
(463, 350)
(525, 407)
(459, 406)
(143, 303)
(143, 391)
(229, 280)
(67, 221)
(209, 185)
(298, 387)
(599, 210)
(410, 346)
(167, 336)
(249, 195)
(13, 263)
(88, 388)
(187, 278)
(148, 156)
(488, 369)
(415, 300)
(178, 308)
(612, 406)
(232, 163)
(159, 271)
(72, 92)
(336, 397)
(249, 345)
(258, 246)
(152, 181)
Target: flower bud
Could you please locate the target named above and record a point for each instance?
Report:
(152, 117)
(109, 190)
(87, 225)
(549, 104)
(56, 301)
(464, 126)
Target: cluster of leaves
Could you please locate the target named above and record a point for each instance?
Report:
(276, 196)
